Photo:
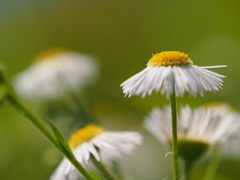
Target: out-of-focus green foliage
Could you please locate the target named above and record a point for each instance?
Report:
(122, 34)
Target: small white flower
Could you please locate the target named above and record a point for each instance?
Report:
(170, 69)
(198, 129)
(93, 141)
(55, 74)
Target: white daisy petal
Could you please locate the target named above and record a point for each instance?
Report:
(59, 172)
(64, 171)
(85, 152)
(218, 66)
(93, 151)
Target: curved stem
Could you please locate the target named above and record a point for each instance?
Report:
(213, 164)
(25, 111)
(102, 169)
(174, 135)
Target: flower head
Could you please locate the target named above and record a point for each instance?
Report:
(54, 73)
(93, 140)
(172, 69)
(198, 129)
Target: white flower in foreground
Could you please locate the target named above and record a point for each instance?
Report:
(198, 129)
(55, 73)
(170, 69)
(94, 141)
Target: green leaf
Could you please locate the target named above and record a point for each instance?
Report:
(94, 175)
(62, 141)
(2, 73)
(2, 93)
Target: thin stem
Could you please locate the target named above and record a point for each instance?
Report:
(174, 135)
(213, 164)
(25, 111)
(118, 171)
(81, 111)
(102, 169)
(187, 170)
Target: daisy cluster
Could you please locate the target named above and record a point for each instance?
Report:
(190, 132)
(57, 73)
(172, 73)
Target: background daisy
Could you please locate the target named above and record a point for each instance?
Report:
(54, 73)
(198, 129)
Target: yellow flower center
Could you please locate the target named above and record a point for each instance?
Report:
(84, 134)
(169, 58)
(218, 105)
(213, 104)
(49, 53)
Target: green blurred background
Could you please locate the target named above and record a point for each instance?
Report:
(122, 35)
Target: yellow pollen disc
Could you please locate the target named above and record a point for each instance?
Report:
(49, 53)
(169, 58)
(85, 134)
(213, 104)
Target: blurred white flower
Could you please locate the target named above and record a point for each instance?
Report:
(198, 129)
(231, 149)
(55, 73)
(94, 141)
(170, 69)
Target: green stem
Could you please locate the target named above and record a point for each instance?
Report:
(174, 136)
(25, 111)
(118, 171)
(81, 111)
(102, 169)
(213, 164)
(187, 170)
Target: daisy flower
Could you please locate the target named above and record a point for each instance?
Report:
(54, 73)
(198, 129)
(172, 69)
(93, 140)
